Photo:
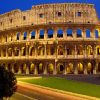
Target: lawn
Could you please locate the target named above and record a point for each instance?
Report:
(67, 85)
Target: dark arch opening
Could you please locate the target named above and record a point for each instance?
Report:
(41, 34)
(88, 32)
(33, 35)
(79, 33)
(69, 32)
(50, 33)
(25, 36)
(60, 33)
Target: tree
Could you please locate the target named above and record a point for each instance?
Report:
(8, 82)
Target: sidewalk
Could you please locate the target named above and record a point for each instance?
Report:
(55, 92)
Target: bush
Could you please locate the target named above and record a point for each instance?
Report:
(8, 83)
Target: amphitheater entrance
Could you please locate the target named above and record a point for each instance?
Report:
(40, 68)
(70, 68)
(89, 68)
(9, 67)
(16, 68)
(23, 69)
(80, 68)
(60, 68)
(50, 68)
(31, 68)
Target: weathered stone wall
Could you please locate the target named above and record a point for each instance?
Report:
(50, 13)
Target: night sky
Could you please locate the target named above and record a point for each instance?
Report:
(8, 5)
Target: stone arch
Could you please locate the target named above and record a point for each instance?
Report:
(80, 68)
(70, 68)
(33, 34)
(32, 51)
(23, 70)
(32, 68)
(16, 51)
(16, 68)
(89, 50)
(40, 68)
(41, 50)
(89, 68)
(17, 36)
(69, 32)
(60, 68)
(50, 33)
(98, 50)
(88, 33)
(60, 50)
(96, 33)
(41, 36)
(59, 33)
(50, 68)
(10, 52)
(23, 51)
(9, 67)
(79, 33)
(24, 35)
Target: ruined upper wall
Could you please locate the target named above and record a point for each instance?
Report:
(50, 13)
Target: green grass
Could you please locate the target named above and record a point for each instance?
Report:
(67, 85)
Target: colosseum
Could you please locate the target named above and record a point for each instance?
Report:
(60, 38)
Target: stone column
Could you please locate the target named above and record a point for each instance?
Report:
(27, 70)
(83, 33)
(92, 34)
(19, 52)
(13, 68)
(85, 67)
(94, 50)
(1, 53)
(55, 33)
(27, 50)
(35, 71)
(6, 51)
(19, 70)
(65, 51)
(75, 51)
(75, 68)
(55, 68)
(74, 34)
(45, 69)
(85, 53)
(95, 68)
(45, 34)
(64, 33)
(37, 34)
(65, 71)
(45, 50)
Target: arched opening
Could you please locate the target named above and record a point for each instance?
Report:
(17, 37)
(60, 33)
(40, 68)
(25, 36)
(41, 36)
(16, 52)
(32, 51)
(23, 51)
(80, 68)
(40, 50)
(23, 68)
(79, 33)
(69, 33)
(50, 68)
(9, 67)
(89, 50)
(70, 68)
(60, 68)
(89, 68)
(96, 34)
(10, 52)
(33, 35)
(50, 33)
(88, 33)
(98, 50)
(60, 50)
(32, 68)
(16, 68)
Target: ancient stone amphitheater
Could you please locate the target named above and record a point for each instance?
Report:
(51, 39)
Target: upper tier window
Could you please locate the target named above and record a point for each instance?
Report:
(41, 15)
(24, 17)
(79, 14)
(59, 14)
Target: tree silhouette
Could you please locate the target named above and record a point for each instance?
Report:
(7, 83)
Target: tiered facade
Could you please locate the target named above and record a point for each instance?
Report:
(51, 39)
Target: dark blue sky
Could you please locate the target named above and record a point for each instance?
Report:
(8, 5)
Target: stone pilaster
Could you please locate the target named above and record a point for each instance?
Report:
(75, 68)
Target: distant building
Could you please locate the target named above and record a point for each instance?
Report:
(51, 39)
